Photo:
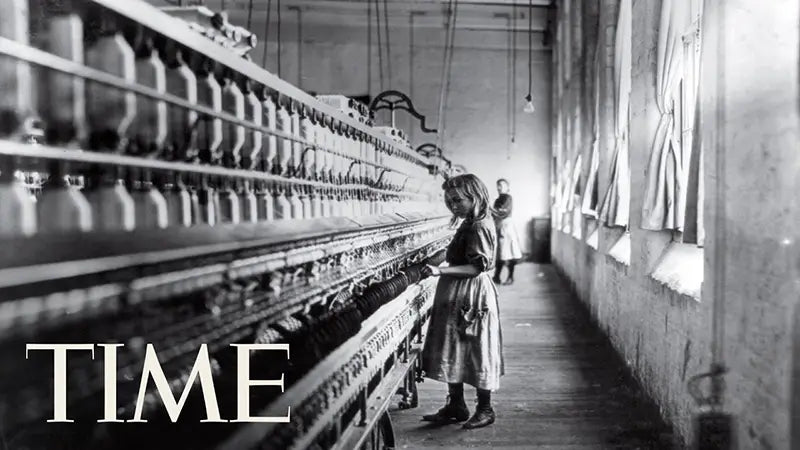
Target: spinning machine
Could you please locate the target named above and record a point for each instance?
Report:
(157, 189)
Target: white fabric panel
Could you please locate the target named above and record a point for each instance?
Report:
(615, 209)
(665, 198)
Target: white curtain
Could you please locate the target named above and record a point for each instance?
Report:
(574, 184)
(557, 200)
(564, 195)
(665, 197)
(572, 215)
(615, 208)
(569, 180)
(589, 199)
(589, 204)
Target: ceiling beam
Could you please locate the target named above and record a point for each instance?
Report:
(395, 6)
(262, 4)
(351, 14)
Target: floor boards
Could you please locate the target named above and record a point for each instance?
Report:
(564, 387)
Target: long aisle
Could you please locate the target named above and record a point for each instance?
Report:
(564, 387)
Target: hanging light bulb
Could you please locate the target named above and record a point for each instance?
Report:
(529, 108)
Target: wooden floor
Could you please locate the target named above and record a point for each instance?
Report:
(564, 387)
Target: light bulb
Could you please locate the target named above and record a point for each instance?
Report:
(529, 106)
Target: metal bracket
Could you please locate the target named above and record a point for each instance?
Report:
(350, 168)
(393, 100)
(380, 177)
(429, 149)
(404, 183)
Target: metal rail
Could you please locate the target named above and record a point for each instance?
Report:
(27, 262)
(13, 148)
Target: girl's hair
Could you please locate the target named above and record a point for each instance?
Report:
(503, 180)
(472, 187)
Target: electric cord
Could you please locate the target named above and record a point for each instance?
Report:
(388, 45)
(380, 45)
(446, 69)
(530, 50)
(249, 14)
(278, 8)
(266, 33)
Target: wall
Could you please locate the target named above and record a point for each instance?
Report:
(478, 122)
(758, 145)
(749, 118)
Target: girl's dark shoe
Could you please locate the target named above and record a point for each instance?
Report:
(496, 280)
(453, 411)
(483, 416)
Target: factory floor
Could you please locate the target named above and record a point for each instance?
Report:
(564, 386)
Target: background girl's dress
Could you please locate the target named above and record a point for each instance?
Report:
(448, 355)
(508, 241)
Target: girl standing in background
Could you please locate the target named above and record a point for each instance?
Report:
(508, 248)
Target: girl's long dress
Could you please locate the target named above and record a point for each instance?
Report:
(508, 248)
(448, 355)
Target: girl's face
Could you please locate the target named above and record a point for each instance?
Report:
(502, 187)
(460, 205)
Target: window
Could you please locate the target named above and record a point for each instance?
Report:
(688, 90)
(673, 159)
(680, 267)
(686, 124)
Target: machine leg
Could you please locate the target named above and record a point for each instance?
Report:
(409, 391)
(387, 431)
(414, 396)
(404, 392)
(363, 407)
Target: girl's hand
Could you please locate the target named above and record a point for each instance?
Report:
(431, 271)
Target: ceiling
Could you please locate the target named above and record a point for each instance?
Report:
(487, 15)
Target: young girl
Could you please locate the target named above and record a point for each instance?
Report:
(509, 250)
(464, 342)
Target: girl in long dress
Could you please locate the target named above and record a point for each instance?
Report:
(508, 249)
(464, 341)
